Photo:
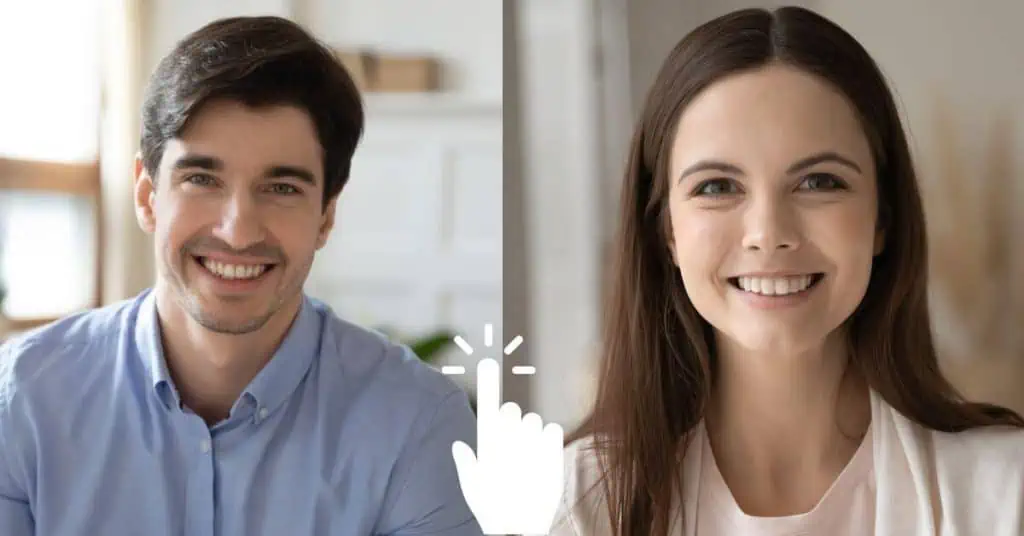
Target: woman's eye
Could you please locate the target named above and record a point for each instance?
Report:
(715, 187)
(823, 181)
(284, 189)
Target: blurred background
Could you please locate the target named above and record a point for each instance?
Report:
(417, 247)
(575, 74)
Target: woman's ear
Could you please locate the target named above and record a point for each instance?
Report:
(670, 240)
(880, 228)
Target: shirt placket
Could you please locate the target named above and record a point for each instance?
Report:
(200, 491)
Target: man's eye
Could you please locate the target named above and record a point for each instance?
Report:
(200, 179)
(823, 181)
(715, 187)
(283, 189)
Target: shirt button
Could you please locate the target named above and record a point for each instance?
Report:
(205, 446)
(263, 413)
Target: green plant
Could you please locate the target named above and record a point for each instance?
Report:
(431, 346)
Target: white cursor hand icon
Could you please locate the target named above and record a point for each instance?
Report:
(514, 482)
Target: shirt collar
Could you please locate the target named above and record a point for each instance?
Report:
(151, 350)
(272, 385)
(281, 376)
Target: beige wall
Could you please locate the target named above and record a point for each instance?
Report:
(958, 75)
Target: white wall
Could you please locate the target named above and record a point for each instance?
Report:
(561, 186)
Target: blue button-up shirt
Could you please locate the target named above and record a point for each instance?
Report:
(342, 433)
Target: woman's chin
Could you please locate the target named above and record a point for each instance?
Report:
(775, 345)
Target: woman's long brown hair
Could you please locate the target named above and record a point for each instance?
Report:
(658, 357)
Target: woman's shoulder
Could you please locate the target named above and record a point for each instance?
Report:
(989, 451)
(584, 508)
(979, 476)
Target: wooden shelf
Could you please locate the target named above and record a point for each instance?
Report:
(70, 178)
(73, 178)
(25, 324)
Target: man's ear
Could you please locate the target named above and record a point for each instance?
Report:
(327, 222)
(145, 196)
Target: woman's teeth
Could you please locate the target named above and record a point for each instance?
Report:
(235, 271)
(775, 286)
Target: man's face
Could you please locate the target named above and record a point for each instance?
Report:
(236, 213)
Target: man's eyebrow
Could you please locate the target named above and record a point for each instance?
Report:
(189, 161)
(285, 171)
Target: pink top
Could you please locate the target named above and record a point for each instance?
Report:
(846, 509)
(904, 480)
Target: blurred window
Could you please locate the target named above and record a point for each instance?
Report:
(49, 157)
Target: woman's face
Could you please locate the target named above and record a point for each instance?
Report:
(773, 209)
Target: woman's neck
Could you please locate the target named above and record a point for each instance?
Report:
(782, 428)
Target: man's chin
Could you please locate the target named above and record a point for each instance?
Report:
(230, 324)
(229, 314)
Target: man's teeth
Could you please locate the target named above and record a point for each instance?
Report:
(235, 271)
(775, 286)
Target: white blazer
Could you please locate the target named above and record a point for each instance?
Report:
(928, 483)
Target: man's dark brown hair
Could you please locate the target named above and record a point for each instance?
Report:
(259, 61)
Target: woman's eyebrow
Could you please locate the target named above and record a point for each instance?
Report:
(710, 165)
(803, 163)
(827, 156)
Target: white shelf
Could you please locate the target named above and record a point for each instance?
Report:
(405, 104)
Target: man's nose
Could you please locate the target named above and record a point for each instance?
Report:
(239, 225)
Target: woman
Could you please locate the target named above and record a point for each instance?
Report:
(768, 366)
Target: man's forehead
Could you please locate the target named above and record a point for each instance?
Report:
(224, 125)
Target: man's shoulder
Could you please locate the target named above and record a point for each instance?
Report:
(370, 358)
(58, 348)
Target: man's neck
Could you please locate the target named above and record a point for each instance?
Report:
(209, 369)
(786, 425)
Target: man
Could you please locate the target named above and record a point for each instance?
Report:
(224, 401)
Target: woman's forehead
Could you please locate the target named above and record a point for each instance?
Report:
(776, 113)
